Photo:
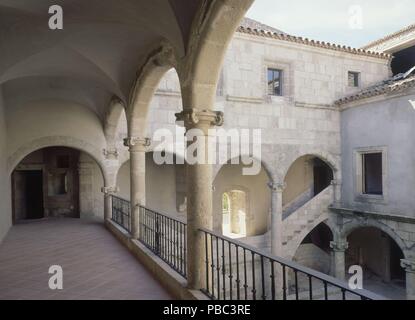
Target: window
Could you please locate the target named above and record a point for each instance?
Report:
(353, 79)
(372, 173)
(57, 184)
(275, 82)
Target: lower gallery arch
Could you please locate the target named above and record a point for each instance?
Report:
(165, 185)
(314, 250)
(379, 255)
(251, 199)
(307, 177)
(57, 182)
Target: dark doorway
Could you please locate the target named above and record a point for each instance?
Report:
(34, 195)
(323, 175)
(27, 195)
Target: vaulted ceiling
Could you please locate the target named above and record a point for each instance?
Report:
(96, 55)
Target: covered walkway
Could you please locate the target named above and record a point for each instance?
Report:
(95, 265)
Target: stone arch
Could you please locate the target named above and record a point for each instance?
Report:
(323, 244)
(149, 76)
(228, 177)
(326, 157)
(294, 244)
(212, 31)
(348, 228)
(58, 141)
(241, 193)
(115, 113)
(264, 165)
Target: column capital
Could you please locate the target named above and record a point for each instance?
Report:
(408, 265)
(339, 246)
(193, 117)
(110, 154)
(110, 190)
(137, 144)
(277, 186)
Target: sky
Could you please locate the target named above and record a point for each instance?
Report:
(347, 22)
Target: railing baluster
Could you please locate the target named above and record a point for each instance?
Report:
(212, 265)
(238, 280)
(253, 276)
(310, 285)
(326, 295)
(217, 265)
(223, 269)
(230, 271)
(296, 284)
(284, 283)
(264, 297)
(207, 262)
(272, 280)
(245, 277)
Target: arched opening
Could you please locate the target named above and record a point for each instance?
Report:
(379, 256)
(165, 185)
(249, 201)
(306, 178)
(234, 204)
(314, 251)
(56, 182)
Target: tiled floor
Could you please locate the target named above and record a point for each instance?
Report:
(95, 265)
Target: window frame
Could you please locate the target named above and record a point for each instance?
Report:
(359, 191)
(281, 79)
(355, 73)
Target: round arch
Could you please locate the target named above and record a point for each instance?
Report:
(355, 225)
(57, 141)
(264, 165)
(329, 159)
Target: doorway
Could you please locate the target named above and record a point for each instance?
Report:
(28, 195)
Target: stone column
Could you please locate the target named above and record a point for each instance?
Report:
(409, 266)
(339, 250)
(108, 192)
(137, 147)
(199, 191)
(336, 193)
(276, 218)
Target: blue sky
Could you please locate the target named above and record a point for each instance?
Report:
(336, 21)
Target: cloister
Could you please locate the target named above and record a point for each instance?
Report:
(80, 186)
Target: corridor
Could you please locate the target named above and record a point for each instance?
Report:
(95, 266)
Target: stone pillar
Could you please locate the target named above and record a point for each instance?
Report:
(199, 191)
(108, 192)
(339, 250)
(137, 147)
(86, 201)
(276, 218)
(336, 193)
(409, 266)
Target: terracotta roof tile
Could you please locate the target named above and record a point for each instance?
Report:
(258, 29)
(395, 84)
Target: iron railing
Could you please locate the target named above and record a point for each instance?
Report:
(238, 271)
(121, 212)
(166, 237)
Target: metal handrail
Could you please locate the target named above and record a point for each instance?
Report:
(166, 237)
(286, 264)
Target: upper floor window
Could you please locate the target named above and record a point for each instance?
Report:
(372, 173)
(275, 82)
(354, 79)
